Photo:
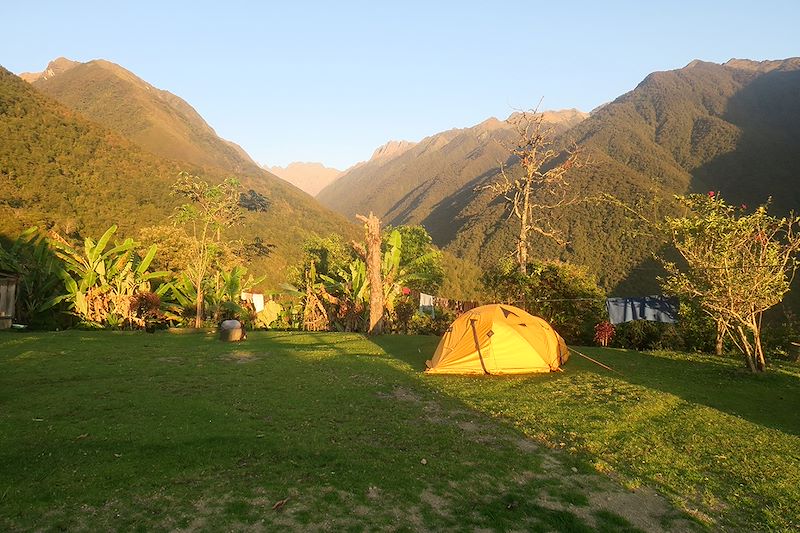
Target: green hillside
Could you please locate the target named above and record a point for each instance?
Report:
(157, 120)
(59, 170)
(732, 128)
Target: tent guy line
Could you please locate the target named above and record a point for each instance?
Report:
(595, 361)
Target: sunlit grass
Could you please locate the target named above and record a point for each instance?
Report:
(122, 431)
(724, 444)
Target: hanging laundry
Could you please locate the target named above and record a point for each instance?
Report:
(653, 308)
(255, 298)
(426, 304)
(258, 302)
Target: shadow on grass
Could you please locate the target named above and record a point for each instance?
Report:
(769, 399)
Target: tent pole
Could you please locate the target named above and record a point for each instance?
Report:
(477, 344)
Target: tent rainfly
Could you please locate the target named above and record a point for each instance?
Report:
(498, 339)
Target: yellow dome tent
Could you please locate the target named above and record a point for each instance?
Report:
(498, 339)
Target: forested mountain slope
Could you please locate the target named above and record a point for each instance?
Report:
(157, 120)
(60, 170)
(734, 128)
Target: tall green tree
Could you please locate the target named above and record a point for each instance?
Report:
(211, 209)
(738, 265)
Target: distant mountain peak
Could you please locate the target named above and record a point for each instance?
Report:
(54, 68)
(308, 176)
(556, 116)
(391, 149)
(490, 124)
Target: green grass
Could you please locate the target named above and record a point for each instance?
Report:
(128, 431)
(721, 443)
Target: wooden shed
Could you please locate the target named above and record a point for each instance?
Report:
(8, 298)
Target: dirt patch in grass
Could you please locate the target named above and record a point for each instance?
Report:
(402, 394)
(592, 498)
(242, 356)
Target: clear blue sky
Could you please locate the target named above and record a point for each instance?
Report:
(330, 81)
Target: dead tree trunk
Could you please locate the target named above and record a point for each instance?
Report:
(373, 259)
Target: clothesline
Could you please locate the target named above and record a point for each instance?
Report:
(651, 308)
(739, 267)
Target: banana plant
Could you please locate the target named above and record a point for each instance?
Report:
(351, 291)
(101, 279)
(40, 275)
(182, 297)
(227, 289)
(396, 275)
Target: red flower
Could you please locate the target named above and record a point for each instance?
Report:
(406, 291)
(711, 194)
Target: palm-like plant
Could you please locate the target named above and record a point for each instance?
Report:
(226, 288)
(348, 292)
(40, 276)
(101, 279)
(396, 274)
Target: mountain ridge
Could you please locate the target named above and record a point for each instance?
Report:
(159, 121)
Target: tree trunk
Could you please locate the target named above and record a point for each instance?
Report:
(747, 349)
(524, 214)
(376, 304)
(758, 350)
(522, 254)
(721, 330)
(198, 317)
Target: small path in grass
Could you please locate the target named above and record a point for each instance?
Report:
(564, 485)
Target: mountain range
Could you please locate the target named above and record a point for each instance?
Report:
(732, 128)
(88, 144)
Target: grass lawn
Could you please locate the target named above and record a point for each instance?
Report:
(129, 431)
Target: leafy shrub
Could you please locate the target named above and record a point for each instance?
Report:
(563, 294)
(422, 324)
(694, 332)
(146, 309)
(404, 310)
(638, 335)
(777, 338)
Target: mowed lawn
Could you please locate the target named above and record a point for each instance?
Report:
(130, 431)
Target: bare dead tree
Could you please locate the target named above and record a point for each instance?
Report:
(542, 185)
(373, 259)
